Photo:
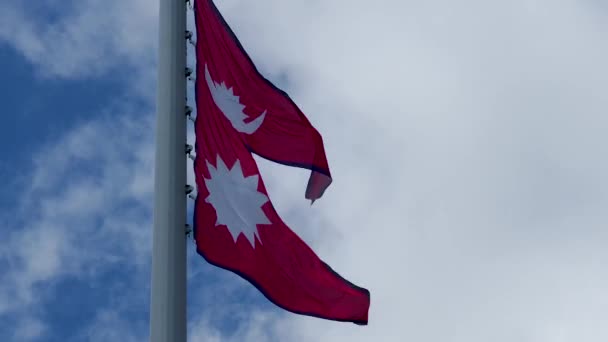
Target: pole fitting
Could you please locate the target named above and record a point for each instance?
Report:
(189, 189)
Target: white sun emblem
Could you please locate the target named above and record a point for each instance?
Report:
(236, 200)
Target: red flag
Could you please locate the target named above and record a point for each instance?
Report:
(236, 227)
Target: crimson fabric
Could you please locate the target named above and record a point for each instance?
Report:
(279, 264)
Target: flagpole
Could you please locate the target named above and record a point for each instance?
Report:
(168, 280)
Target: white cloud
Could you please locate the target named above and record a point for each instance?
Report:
(29, 329)
(86, 211)
(108, 326)
(466, 142)
(260, 326)
(89, 38)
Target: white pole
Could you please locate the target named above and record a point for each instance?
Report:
(168, 287)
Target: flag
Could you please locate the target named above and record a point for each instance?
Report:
(241, 113)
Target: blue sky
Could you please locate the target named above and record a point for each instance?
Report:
(465, 139)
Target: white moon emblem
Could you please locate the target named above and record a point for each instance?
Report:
(229, 104)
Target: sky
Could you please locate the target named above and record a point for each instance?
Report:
(466, 140)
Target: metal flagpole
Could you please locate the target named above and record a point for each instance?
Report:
(168, 281)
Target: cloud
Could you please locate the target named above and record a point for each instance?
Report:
(86, 212)
(29, 329)
(466, 142)
(108, 326)
(85, 38)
